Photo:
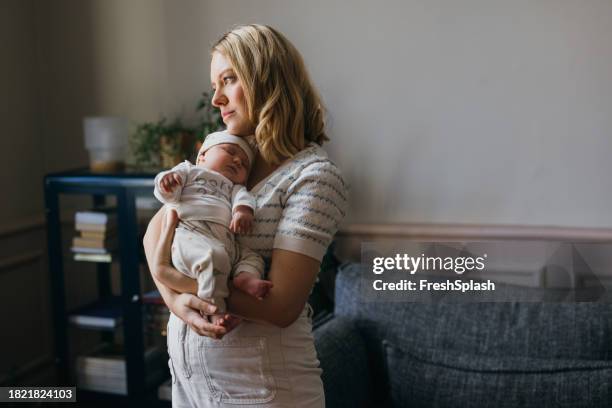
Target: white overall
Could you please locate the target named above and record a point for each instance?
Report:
(255, 365)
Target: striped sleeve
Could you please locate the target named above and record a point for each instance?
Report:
(313, 207)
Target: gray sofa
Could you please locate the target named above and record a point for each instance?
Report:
(381, 354)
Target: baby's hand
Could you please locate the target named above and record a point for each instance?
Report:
(242, 220)
(169, 182)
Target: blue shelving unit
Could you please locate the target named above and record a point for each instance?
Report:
(126, 186)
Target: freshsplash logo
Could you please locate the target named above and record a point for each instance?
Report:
(428, 269)
(412, 264)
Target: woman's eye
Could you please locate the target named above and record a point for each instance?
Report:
(227, 79)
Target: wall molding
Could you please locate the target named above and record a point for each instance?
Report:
(27, 257)
(33, 223)
(44, 362)
(24, 257)
(351, 236)
(407, 230)
(474, 232)
(22, 225)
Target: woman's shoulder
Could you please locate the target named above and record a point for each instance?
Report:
(316, 172)
(314, 159)
(310, 165)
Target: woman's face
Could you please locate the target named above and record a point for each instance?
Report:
(229, 96)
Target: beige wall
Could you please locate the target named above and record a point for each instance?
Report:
(23, 283)
(476, 111)
(489, 112)
(21, 153)
(97, 58)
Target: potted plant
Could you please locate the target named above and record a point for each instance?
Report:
(161, 143)
(175, 144)
(165, 144)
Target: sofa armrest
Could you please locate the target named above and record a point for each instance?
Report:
(343, 357)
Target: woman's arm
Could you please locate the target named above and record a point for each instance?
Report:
(293, 276)
(175, 280)
(189, 308)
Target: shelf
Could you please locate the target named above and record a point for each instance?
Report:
(104, 314)
(125, 311)
(95, 258)
(104, 369)
(152, 297)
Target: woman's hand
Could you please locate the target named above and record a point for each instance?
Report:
(188, 307)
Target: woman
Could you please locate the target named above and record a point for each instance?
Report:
(268, 360)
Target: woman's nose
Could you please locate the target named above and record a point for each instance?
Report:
(218, 98)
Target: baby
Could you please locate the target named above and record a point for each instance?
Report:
(211, 200)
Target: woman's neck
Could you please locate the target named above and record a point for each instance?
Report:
(260, 170)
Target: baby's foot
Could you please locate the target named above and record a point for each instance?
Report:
(252, 285)
(218, 319)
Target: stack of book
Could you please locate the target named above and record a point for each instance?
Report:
(97, 235)
(103, 314)
(104, 369)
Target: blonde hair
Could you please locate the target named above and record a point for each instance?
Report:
(282, 102)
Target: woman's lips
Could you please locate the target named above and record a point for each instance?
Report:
(226, 114)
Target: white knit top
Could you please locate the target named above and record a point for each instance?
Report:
(298, 206)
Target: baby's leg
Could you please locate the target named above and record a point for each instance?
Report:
(194, 254)
(250, 283)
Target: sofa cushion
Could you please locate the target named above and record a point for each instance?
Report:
(343, 357)
(424, 377)
(536, 330)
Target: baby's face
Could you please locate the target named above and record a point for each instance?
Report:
(227, 159)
